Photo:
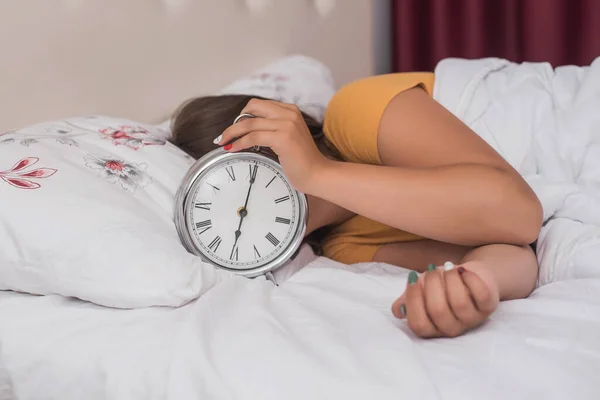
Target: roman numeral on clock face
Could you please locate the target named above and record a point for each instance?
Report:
(282, 199)
(274, 241)
(214, 245)
(203, 224)
(234, 254)
(203, 206)
(230, 172)
(253, 171)
(282, 220)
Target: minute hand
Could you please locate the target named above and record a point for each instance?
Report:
(244, 211)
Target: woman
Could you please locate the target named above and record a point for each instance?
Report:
(394, 177)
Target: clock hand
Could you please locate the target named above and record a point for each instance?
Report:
(244, 211)
(237, 236)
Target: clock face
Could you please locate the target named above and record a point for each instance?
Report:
(243, 213)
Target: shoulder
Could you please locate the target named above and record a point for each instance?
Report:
(354, 113)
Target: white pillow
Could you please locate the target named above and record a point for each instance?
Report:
(86, 209)
(296, 79)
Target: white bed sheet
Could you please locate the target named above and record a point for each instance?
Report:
(325, 333)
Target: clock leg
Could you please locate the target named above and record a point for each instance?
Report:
(270, 277)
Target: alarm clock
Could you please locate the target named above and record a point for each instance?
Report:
(239, 212)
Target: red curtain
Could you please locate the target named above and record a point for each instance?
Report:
(558, 31)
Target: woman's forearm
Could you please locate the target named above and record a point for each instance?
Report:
(514, 269)
(324, 213)
(467, 204)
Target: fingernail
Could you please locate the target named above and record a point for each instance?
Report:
(228, 146)
(431, 267)
(412, 277)
(460, 270)
(448, 265)
(403, 310)
(218, 139)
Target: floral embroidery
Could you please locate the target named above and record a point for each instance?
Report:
(134, 137)
(27, 142)
(18, 177)
(129, 176)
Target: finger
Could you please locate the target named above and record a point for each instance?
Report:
(249, 125)
(397, 309)
(291, 107)
(437, 306)
(460, 300)
(416, 314)
(482, 295)
(267, 109)
(255, 138)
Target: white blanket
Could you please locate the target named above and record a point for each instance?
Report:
(546, 123)
(327, 332)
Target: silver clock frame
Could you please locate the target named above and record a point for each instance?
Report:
(184, 200)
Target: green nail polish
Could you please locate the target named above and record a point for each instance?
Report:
(412, 277)
(403, 310)
(431, 267)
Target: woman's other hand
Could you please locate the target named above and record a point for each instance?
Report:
(446, 303)
(282, 128)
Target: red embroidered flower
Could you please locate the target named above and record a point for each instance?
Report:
(130, 176)
(15, 176)
(114, 165)
(134, 137)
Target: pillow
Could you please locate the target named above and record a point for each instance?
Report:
(86, 204)
(86, 210)
(296, 79)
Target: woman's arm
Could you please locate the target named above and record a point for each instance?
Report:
(514, 269)
(324, 213)
(439, 180)
(467, 204)
(448, 303)
(511, 269)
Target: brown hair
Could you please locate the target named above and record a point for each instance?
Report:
(199, 121)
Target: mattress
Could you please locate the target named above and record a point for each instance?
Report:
(326, 332)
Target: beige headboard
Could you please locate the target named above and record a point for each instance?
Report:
(140, 58)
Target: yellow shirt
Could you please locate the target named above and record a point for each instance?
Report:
(351, 124)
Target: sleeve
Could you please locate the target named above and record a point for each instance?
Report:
(353, 114)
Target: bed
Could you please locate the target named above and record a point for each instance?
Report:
(327, 330)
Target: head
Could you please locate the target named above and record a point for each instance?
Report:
(199, 121)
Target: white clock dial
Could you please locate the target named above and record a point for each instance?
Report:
(244, 213)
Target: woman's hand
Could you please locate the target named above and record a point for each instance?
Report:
(446, 303)
(282, 128)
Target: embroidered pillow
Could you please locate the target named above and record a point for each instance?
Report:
(86, 210)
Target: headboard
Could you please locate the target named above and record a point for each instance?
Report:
(139, 59)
